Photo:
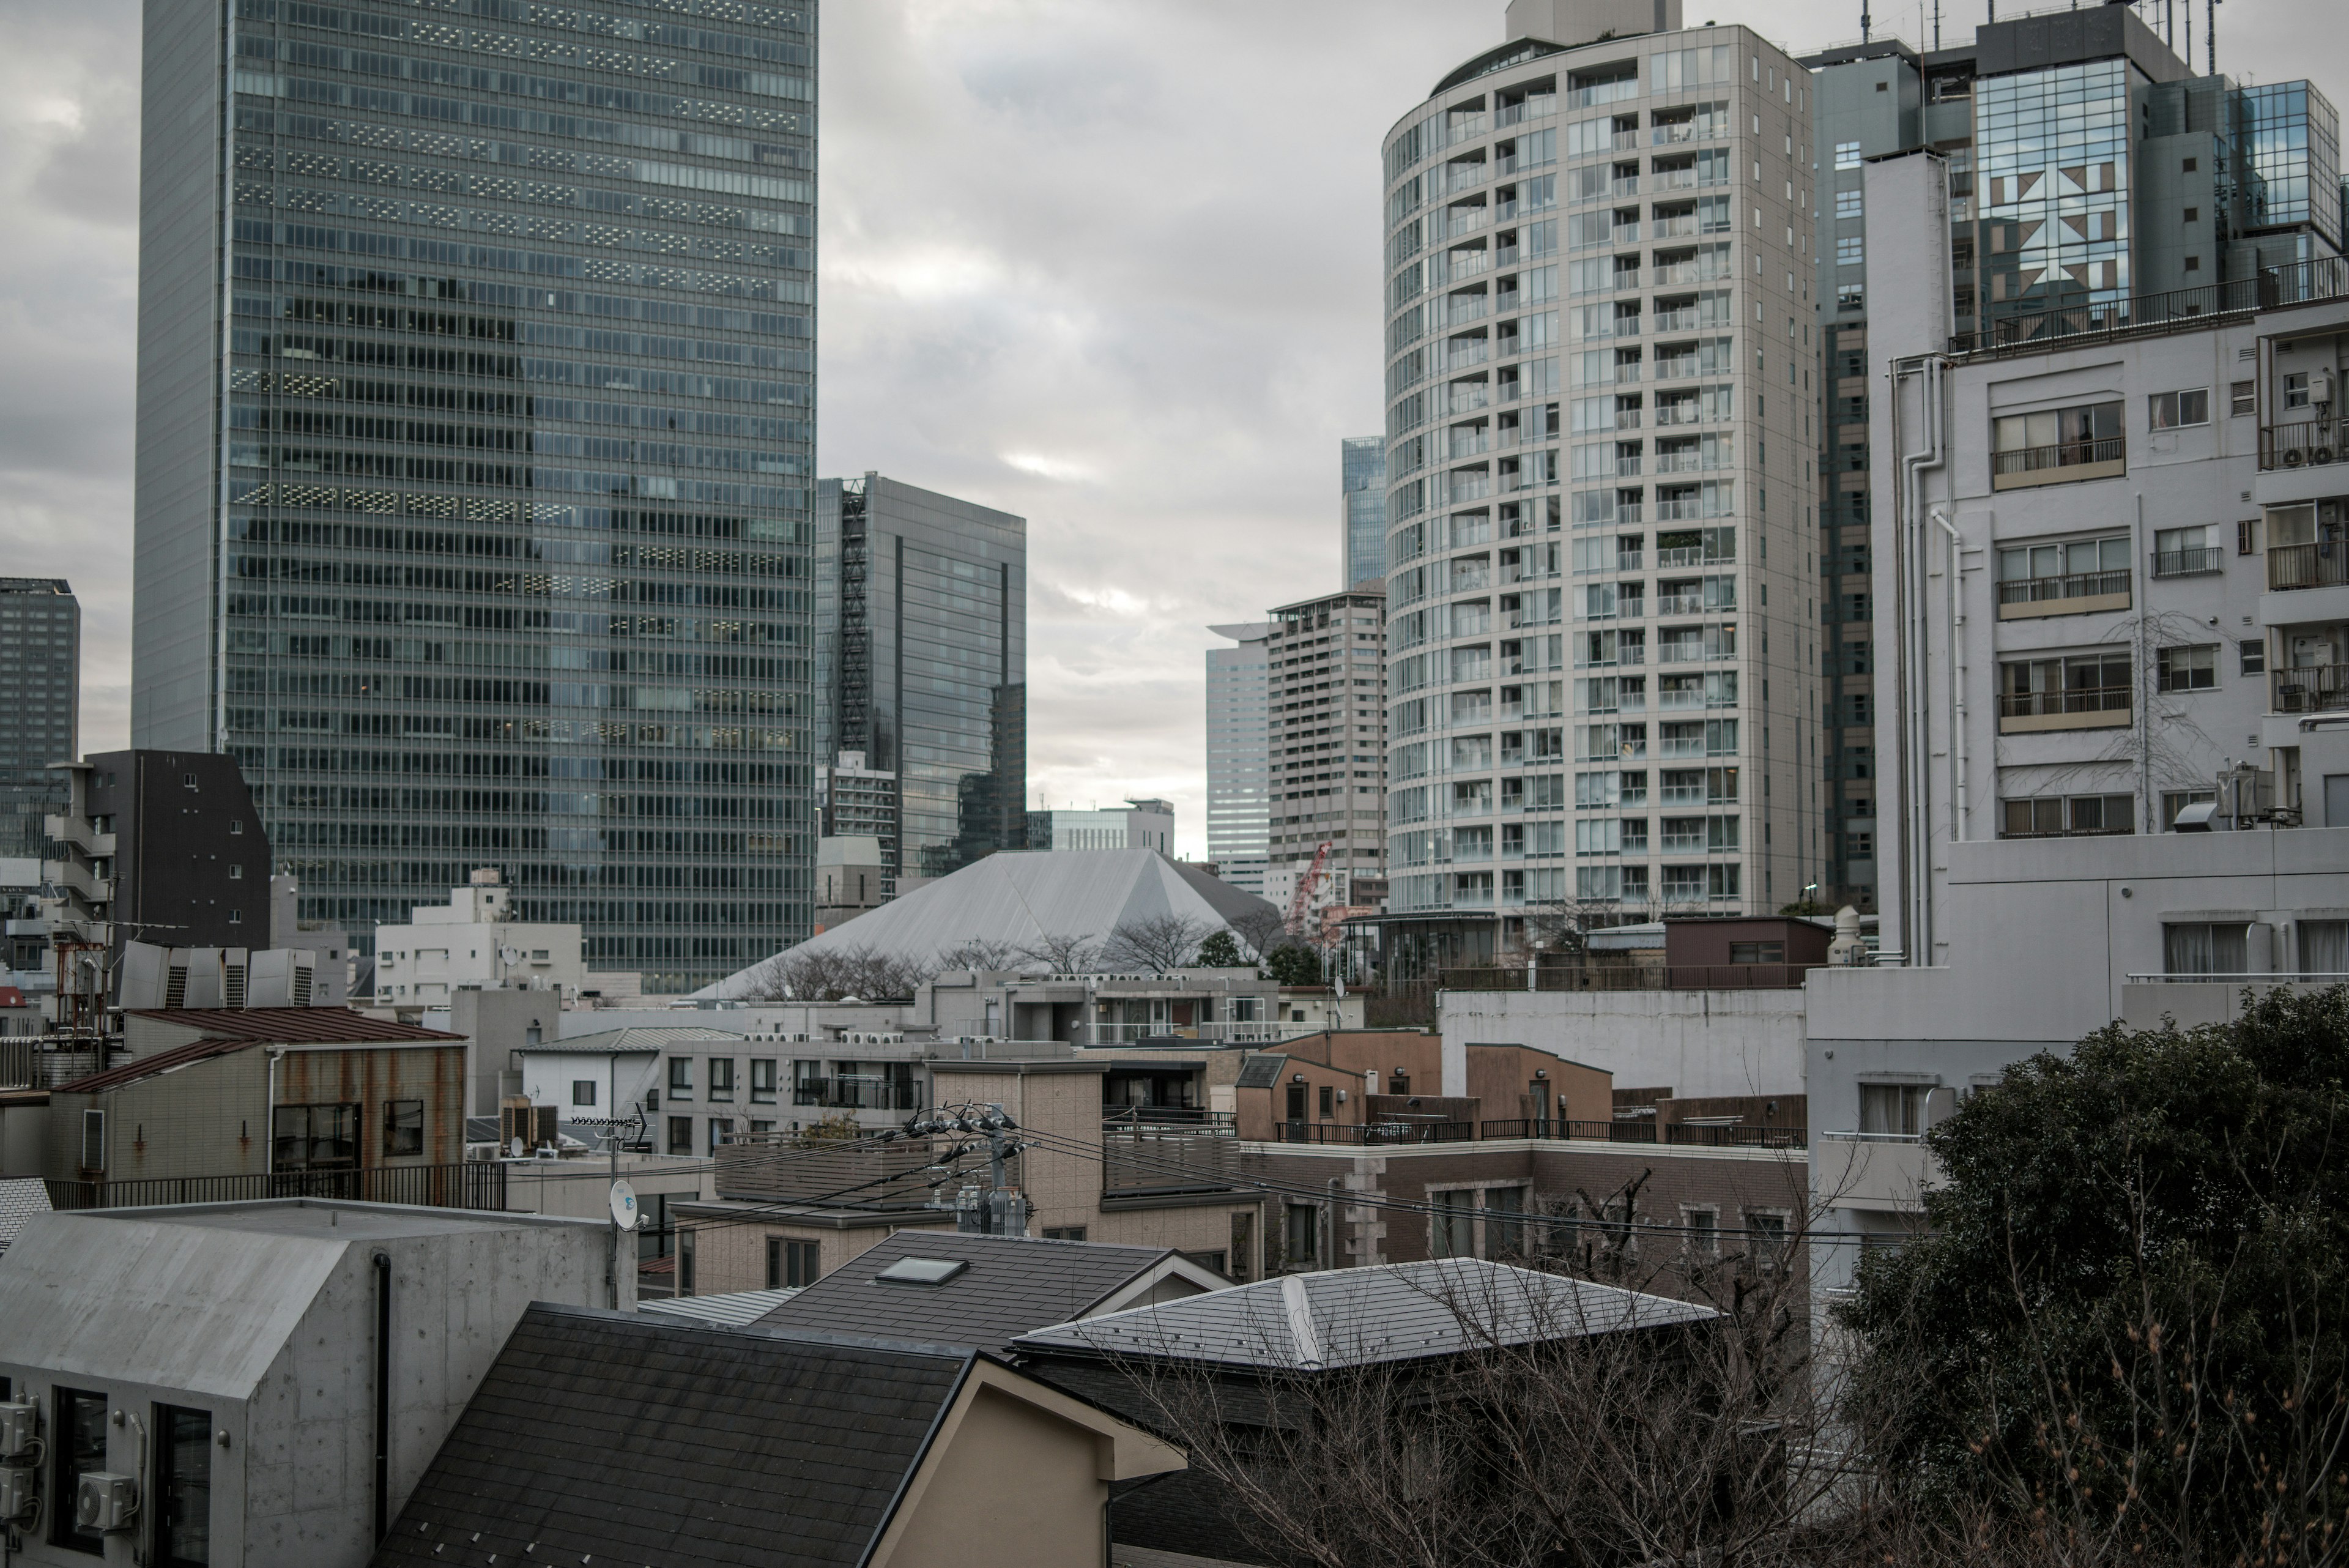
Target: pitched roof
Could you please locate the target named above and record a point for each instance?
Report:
(1025, 898)
(635, 1440)
(635, 1039)
(733, 1307)
(1009, 1285)
(293, 1026)
(1352, 1318)
(19, 1200)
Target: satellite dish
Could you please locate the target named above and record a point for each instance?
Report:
(624, 1204)
(517, 1148)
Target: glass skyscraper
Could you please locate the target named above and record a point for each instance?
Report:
(1239, 762)
(476, 428)
(40, 676)
(921, 665)
(1362, 479)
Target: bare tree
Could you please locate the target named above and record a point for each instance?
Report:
(1158, 944)
(836, 974)
(1063, 954)
(980, 953)
(1259, 931)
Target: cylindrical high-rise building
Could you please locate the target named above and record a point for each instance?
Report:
(1602, 667)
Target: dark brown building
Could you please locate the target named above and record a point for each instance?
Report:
(166, 846)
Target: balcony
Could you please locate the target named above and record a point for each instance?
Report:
(2186, 563)
(857, 1094)
(2320, 566)
(75, 877)
(2087, 708)
(2312, 689)
(1884, 1172)
(1635, 977)
(2065, 463)
(2309, 444)
(77, 831)
(2080, 593)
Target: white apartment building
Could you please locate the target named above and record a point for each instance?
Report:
(1602, 655)
(1325, 690)
(473, 940)
(1237, 808)
(2107, 566)
(1142, 824)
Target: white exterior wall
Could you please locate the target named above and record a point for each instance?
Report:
(470, 941)
(1696, 1043)
(552, 1078)
(1500, 715)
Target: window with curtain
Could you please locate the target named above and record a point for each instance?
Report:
(2203, 947)
(1455, 1224)
(2325, 947)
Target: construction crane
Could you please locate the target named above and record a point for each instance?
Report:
(1305, 886)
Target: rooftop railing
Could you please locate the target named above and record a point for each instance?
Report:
(472, 1184)
(2300, 283)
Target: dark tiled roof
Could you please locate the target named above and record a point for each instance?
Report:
(630, 1441)
(295, 1025)
(1012, 1286)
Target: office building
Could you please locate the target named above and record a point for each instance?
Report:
(921, 669)
(1325, 690)
(1362, 486)
(476, 424)
(40, 678)
(1602, 669)
(2226, 183)
(1238, 810)
(1141, 825)
(163, 848)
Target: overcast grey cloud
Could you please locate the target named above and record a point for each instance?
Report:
(1112, 265)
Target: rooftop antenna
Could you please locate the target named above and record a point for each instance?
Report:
(1937, 24)
(1863, 21)
(2209, 36)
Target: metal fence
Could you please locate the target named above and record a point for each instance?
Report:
(1633, 977)
(470, 1184)
(1373, 1134)
(2325, 278)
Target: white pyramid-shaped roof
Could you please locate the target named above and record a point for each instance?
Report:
(1020, 898)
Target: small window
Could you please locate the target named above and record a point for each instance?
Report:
(680, 1134)
(1848, 204)
(187, 781)
(791, 1265)
(721, 1132)
(78, 1439)
(680, 1077)
(1757, 952)
(1328, 1100)
(1847, 154)
(582, 1091)
(236, 917)
(93, 1141)
(762, 1083)
(236, 873)
(2170, 410)
(721, 1077)
(1064, 1232)
(2193, 669)
(2295, 389)
(2202, 947)
(1765, 1239)
(1851, 250)
(1892, 1110)
(236, 829)
(183, 1488)
(1701, 1226)
(2242, 398)
(2193, 215)
(1301, 1235)
(317, 1137)
(403, 1126)
(2252, 656)
(2247, 537)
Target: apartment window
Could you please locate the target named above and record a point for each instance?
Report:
(2081, 690)
(2190, 668)
(1064, 1232)
(2324, 947)
(403, 1126)
(79, 1437)
(1765, 1238)
(2056, 446)
(1757, 952)
(2205, 946)
(1847, 203)
(1892, 1110)
(1847, 154)
(791, 1265)
(1701, 1228)
(2295, 389)
(680, 1134)
(2176, 800)
(1454, 1223)
(721, 1132)
(680, 1077)
(1851, 296)
(721, 1077)
(2174, 410)
(183, 1488)
(2049, 576)
(2251, 657)
(316, 1137)
(2247, 537)
(2183, 552)
(1850, 251)
(2242, 398)
(1301, 1235)
(236, 873)
(1327, 1101)
(762, 1083)
(583, 1092)
(2068, 816)
(1504, 1224)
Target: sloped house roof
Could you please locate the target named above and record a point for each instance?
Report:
(1022, 898)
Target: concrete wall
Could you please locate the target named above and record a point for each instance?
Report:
(1695, 1043)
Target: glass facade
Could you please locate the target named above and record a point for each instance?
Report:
(2052, 180)
(923, 647)
(1238, 724)
(40, 674)
(1363, 480)
(2293, 145)
(507, 562)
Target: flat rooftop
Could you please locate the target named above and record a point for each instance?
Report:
(325, 1218)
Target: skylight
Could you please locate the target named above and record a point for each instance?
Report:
(922, 1271)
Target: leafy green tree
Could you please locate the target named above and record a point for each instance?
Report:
(2122, 1336)
(1221, 950)
(1293, 963)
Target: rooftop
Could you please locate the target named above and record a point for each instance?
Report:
(635, 1040)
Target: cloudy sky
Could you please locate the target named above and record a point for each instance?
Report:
(1112, 265)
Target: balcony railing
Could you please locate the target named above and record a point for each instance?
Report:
(2050, 591)
(2186, 563)
(2320, 566)
(2304, 443)
(1634, 977)
(2326, 278)
(1193, 1117)
(1683, 1133)
(2312, 688)
(473, 1184)
(1369, 1134)
(2049, 704)
(2059, 463)
(857, 1094)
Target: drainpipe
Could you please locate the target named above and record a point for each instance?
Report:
(382, 1395)
(1957, 801)
(269, 1118)
(1912, 569)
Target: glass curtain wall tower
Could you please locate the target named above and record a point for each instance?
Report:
(1363, 483)
(1602, 656)
(1239, 732)
(475, 453)
(40, 706)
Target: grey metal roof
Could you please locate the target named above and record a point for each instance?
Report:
(634, 1040)
(736, 1307)
(1352, 1318)
(20, 1200)
(1024, 898)
(1014, 1283)
(614, 1437)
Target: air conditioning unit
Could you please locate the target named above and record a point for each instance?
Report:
(20, 1491)
(105, 1501)
(20, 1427)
